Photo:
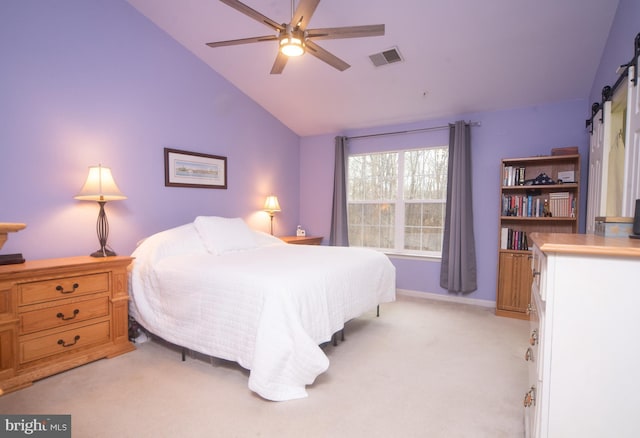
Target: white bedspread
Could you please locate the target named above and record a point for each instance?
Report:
(266, 308)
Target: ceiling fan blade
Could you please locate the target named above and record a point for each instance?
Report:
(303, 13)
(241, 7)
(243, 41)
(329, 33)
(279, 64)
(323, 55)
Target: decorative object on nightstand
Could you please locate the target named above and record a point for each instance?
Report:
(5, 229)
(271, 206)
(101, 187)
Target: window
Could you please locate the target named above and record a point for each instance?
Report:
(396, 200)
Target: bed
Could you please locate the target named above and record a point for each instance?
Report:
(217, 287)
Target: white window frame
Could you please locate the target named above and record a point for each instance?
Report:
(399, 202)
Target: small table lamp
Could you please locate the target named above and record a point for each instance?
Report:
(101, 187)
(271, 206)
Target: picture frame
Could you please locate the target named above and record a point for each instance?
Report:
(194, 169)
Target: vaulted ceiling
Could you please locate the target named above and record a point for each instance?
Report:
(459, 56)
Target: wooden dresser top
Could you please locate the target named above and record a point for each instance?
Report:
(586, 244)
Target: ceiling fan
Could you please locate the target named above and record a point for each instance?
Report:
(294, 38)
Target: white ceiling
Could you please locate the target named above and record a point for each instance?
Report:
(460, 56)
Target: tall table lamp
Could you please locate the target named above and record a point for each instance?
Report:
(101, 187)
(271, 206)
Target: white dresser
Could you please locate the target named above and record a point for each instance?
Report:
(584, 349)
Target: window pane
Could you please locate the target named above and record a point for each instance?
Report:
(387, 214)
(423, 226)
(425, 173)
(387, 235)
(432, 239)
(412, 238)
(355, 236)
(371, 225)
(354, 213)
(373, 177)
(433, 214)
(413, 214)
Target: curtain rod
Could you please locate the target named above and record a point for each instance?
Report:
(409, 131)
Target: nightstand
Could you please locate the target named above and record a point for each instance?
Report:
(58, 314)
(302, 240)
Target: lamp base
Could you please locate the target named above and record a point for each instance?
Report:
(101, 253)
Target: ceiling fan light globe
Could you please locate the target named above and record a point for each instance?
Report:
(291, 46)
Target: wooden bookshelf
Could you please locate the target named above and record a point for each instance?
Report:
(527, 207)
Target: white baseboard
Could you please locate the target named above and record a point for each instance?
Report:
(441, 297)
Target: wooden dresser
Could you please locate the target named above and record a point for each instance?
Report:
(61, 313)
(582, 352)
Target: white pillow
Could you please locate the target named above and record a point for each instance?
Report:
(221, 234)
(180, 240)
(264, 239)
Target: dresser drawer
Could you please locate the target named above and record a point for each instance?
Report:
(63, 314)
(63, 341)
(59, 288)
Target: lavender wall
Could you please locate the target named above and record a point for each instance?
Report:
(515, 133)
(94, 82)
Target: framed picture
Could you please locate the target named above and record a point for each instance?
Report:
(193, 169)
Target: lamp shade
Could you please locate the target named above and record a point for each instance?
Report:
(291, 46)
(292, 42)
(100, 186)
(271, 204)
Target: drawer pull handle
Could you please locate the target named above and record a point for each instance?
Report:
(533, 340)
(530, 397)
(528, 356)
(64, 344)
(61, 315)
(62, 291)
(536, 273)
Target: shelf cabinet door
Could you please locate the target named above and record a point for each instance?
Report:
(514, 284)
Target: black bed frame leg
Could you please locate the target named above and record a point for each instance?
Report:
(184, 351)
(378, 311)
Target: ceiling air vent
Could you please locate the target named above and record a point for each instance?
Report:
(387, 57)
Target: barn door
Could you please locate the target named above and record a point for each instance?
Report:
(632, 147)
(598, 154)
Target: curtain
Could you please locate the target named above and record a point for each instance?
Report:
(458, 269)
(339, 230)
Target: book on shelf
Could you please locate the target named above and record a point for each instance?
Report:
(506, 170)
(513, 239)
(562, 204)
(513, 176)
(521, 176)
(522, 206)
(504, 237)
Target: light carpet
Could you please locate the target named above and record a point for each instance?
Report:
(424, 368)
